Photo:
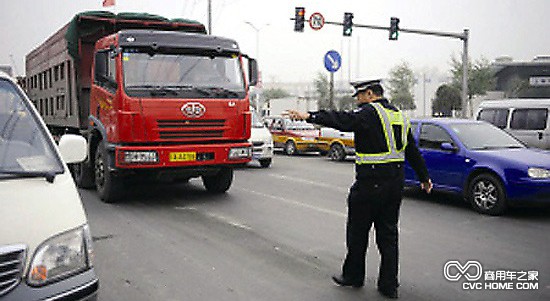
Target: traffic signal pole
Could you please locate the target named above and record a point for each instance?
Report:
(464, 36)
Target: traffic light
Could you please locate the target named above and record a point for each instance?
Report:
(299, 19)
(348, 24)
(394, 28)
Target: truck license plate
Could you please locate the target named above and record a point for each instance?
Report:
(183, 156)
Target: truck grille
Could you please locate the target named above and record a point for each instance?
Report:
(12, 259)
(185, 129)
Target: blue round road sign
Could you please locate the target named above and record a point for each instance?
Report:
(333, 61)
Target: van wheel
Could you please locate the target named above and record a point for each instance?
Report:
(290, 148)
(337, 152)
(265, 162)
(220, 182)
(83, 175)
(107, 186)
(486, 195)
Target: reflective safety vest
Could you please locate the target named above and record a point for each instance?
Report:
(392, 122)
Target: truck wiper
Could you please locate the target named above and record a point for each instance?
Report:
(223, 92)
(156, 89)
(191, 88)
(49, 175)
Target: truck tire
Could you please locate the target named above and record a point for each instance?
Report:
(337, 152)
(83, 175)
(265, 162)
(107, 186)
(220, 182)
(487, 195)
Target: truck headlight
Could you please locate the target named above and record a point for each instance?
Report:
(239, 153)
(133, 157)
(538, 173)
(61, 256)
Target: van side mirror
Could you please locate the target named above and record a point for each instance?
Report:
(252, 72)
(72, 148)
(446, 146)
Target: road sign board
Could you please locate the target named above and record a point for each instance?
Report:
(333, 61)
(316, 21)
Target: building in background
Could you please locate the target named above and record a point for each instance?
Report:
(517, 79)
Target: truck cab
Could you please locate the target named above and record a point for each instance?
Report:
(167, 104)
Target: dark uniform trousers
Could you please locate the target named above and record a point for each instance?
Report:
(374, 200)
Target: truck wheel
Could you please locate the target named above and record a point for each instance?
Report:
(337, 152)
(83, 175)
(290, 148)
(486, 195)
(220, 182)
(107, 186)
(265, 162)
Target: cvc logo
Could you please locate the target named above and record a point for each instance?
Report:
(454, 270)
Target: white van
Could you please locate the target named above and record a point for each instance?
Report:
(262, 142)
(45, 244)
(525, 119)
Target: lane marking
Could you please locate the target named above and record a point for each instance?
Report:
(314, 183)
(295, 203)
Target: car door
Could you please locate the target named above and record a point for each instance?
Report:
(530, 126)
(276, 129)
(446, 167)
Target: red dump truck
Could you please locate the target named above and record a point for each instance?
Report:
(155, 98)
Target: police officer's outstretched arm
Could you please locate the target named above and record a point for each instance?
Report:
(413, 156)
(340, 120)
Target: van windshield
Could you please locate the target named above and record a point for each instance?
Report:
(24, 147)
(172, 75)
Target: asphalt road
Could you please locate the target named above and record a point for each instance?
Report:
(278, 234)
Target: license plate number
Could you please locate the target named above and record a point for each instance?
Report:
(183, 156)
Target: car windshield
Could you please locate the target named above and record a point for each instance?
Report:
(299, 125)
(24, 147)
(479, 136)
(183, 75)
(256, 120)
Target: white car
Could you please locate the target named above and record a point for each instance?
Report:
(262, 142)
(45, 244)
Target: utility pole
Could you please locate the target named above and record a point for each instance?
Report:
(210, 17)
(465, 102)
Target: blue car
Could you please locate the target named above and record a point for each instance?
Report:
(489, 167)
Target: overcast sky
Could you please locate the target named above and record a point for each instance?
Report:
(517, 28)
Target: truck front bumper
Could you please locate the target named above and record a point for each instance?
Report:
(181, 156)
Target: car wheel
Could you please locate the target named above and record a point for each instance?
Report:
(107, 186)
(290, 148)
(220, 182)
(265, 162)
(337, 152)
(486, 195)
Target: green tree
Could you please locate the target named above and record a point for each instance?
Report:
(322, 87)
(401, 83)
(274, 93)
(480, 76)
(447, 99)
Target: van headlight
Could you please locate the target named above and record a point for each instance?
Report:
(538, 173)
(61, 256)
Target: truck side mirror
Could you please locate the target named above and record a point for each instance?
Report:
(252, 72)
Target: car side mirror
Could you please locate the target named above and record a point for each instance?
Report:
(446, 146)
(72, 148)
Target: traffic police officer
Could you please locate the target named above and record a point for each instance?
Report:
(383, 141)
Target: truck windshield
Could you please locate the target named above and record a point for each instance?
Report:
(24, 148)
(182, 75)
